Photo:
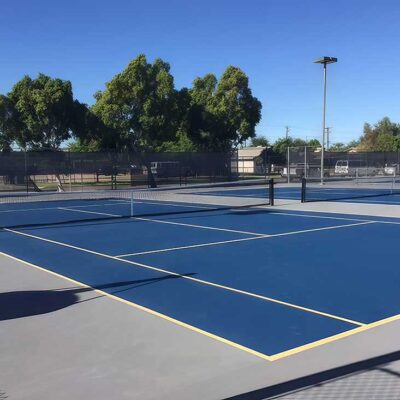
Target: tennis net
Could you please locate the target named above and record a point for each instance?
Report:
(53, 208)
(349, 188)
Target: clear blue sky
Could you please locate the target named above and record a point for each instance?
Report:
(273, 41)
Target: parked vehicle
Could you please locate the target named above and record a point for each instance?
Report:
(165, 169)
(391, 169)
(354, 168)
(298, 170)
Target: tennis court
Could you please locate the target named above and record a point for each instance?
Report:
(379, 192)
(268, 282)
(280, 290)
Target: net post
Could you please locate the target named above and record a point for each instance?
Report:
(131, 203)
(303, 189)
(26, 170)
(271, 185)
(392, 191)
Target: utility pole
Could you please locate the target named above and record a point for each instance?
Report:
(328, 132)
(287, 132)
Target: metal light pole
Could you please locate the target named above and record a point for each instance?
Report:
(324, 61)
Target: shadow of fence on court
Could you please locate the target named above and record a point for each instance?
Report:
(360, 385)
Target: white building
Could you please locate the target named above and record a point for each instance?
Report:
(247, 159)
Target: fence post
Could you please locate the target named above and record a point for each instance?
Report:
(288, 164)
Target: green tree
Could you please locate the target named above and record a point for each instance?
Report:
(299, 143)
(280, 146)
(259, 141)
(237, 110)
(9, 123)
(44, 110)
(90, 132)
(181, 142)
(201, 123)
(140, 105)
(353, 143)
(338, 147)
(224, 113)
(314, 143)
(383, 136)
(84, 146)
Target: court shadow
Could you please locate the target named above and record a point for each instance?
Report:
(380, 363)
(28, 303)
(250, 211)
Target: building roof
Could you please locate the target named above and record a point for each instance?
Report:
(251, 152)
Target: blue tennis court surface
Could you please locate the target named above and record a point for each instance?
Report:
(323, 193)
(259, 279)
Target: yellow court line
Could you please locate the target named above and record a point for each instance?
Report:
(266, 357)
(201, 281)
(334, 338)
(145, 309)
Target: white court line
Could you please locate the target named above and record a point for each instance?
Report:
(120, 202)
(256, 235)
(159, 221)
(192, 246)
(261, 235)
(165, 222)
(338, 218)
(201, 281)
(365, 201)
(56, 208)
(246, 239)
(162, 203)
(319, 216)
(90, 212)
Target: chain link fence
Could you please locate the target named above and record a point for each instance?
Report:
(71, 171)
(306, 162)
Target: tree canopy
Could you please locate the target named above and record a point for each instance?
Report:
(44, 110)
(314, 143)
(139, 109)
(221, 114)
(383, 136)
(140, 105)
(259, 141)
(40, 114)
(280, 146)
(8, 123)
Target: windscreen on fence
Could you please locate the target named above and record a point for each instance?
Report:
(70, 171)
(305, 162)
